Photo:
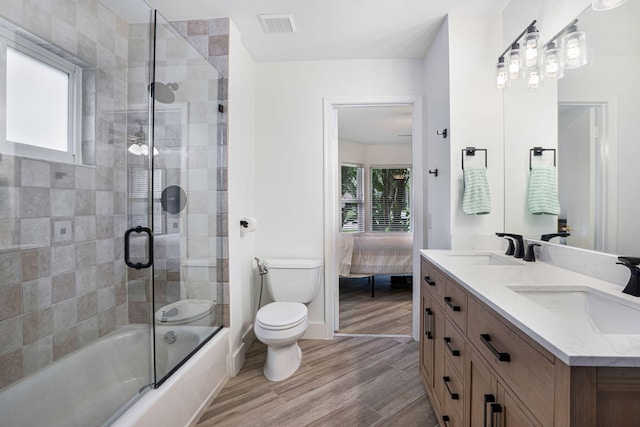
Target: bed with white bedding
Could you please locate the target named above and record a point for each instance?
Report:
(375, 253)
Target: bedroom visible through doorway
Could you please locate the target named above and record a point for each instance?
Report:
(374, 242)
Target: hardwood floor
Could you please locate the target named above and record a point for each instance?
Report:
(388, 312)
(347, 381)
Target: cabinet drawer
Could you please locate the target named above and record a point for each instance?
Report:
(453, 390)
(433, 279)
(455, 304)
(454, 347)
(529, 374)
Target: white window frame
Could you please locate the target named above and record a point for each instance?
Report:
(360, 199)
(73, 154)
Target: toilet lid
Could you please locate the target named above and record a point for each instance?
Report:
(184, 311)
(281, 315)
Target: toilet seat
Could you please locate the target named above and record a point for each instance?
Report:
(188, 311)
(278, 316)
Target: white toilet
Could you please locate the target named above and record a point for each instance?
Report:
(292, 283)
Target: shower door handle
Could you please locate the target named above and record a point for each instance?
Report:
(127, 260)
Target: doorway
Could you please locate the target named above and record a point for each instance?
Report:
(353, 144)
(587, 137)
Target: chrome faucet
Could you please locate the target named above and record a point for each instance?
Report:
(519, 252)
(633, 287)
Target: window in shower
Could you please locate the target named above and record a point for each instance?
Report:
(352, 199)
(42, 101)
(390, 199)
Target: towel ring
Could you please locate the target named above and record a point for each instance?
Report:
(471, 151)
(538, 151)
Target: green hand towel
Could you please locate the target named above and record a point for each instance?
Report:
(543, 191)
(476, 199)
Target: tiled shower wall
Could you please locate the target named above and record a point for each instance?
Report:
(62, 275)
(211, 40)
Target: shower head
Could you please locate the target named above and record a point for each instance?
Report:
(162, 92)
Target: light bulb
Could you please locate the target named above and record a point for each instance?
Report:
(600, 5)
(144, 149)
(533, 82)
(574, 45)
(531, 47)
(135, 149)
(502, 79)
(552, 62)
(514, 64)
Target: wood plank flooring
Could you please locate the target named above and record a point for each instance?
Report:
(347, 381)
(388, 312)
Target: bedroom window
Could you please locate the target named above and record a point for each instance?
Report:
(390, 199)
(352, 198)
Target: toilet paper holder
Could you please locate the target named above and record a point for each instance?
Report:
(248, 224)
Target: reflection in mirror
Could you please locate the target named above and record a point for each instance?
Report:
(597, 131)
(595, 127)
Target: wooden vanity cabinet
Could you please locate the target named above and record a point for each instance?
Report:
(489, 402)
(464, 341)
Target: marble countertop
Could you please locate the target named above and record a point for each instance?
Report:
(569, 334)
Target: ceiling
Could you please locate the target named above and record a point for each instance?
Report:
(375, 124)
(331, 29)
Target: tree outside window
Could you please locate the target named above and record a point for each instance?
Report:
(390, 199)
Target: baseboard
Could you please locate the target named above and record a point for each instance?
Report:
(237, 359)
(317, 331)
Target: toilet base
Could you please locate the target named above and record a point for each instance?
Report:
(282, 361)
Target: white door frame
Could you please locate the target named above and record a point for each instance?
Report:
(332, 190)
(607, 183)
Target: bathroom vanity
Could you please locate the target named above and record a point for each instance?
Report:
(510, 343)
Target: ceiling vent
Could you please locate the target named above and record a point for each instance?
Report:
(278, 23)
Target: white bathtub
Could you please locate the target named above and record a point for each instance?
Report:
(85, 388)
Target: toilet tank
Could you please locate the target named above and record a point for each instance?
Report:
(293, 280)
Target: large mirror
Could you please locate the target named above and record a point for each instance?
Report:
(591, 118)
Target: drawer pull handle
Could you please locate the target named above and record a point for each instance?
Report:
(488, 398)
(427, 327)
(503, 357)
(447, 342)
(496, 408)
(429, 281)
(445, 420)
(447, 300)
(454, 396)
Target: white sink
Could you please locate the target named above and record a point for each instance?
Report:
(604, 313)
(482, 259)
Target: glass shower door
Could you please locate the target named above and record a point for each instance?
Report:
(183, 197)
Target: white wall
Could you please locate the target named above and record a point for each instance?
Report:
(438, 149)
(241, 178)
(476, 120)
(530, 120)
(289, 149)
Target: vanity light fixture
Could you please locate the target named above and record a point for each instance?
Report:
(553, 62)
(510, 67)
(532, 45)
(565, 50)
(533, 78)
(574, 45)
(515, 62)
(502, 77)
(601, 5)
